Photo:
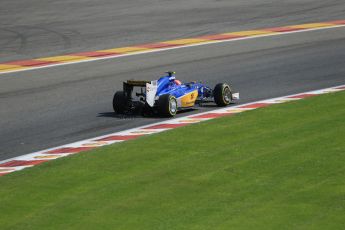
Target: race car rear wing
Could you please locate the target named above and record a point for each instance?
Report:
(136, 83)
(150, 89)
(130, 84)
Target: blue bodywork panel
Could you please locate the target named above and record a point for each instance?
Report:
(167, 85)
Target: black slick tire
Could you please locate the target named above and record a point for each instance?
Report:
(119, 102)
(222, 94)
(167, 105)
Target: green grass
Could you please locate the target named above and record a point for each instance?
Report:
(280, 167)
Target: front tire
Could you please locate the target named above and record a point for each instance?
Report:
(167, 105)
(222, 94)
(119, 102)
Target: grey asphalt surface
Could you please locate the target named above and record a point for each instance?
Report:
(54, 106)
(49, 107)
(38, 28)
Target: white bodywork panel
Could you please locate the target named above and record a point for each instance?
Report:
(151, 90)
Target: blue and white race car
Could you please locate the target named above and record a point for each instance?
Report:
(167, 95)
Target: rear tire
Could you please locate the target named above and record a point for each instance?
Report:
(222, 94)
(167, 105)
(119, 102)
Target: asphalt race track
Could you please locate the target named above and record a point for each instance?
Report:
(40, 28)
(53, 106)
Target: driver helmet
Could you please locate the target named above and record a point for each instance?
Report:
(177, 82)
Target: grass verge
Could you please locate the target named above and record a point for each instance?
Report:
(280, 167)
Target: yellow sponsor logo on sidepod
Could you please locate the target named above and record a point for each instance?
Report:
(188, 100)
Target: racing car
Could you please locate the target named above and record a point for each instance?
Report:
(167, 95)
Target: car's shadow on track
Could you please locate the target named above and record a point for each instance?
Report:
(208, 106)
(139, 115)
(119, 116)
(128, 116)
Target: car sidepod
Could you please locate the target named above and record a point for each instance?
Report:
(185, 95)
(188, 99)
